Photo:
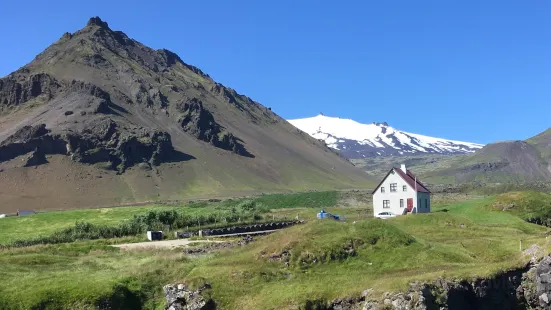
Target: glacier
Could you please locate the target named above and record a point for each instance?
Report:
(357, 140)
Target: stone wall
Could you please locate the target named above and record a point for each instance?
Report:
(240, 229)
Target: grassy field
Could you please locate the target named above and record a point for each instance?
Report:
(326, 259)
(14, 228)
(422, 165)
(460, 240)
(353, 205)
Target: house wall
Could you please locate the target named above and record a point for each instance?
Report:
(423, 198)
(393, 197)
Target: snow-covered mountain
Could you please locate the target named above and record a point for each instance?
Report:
(356, 140)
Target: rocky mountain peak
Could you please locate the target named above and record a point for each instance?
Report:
(100, 101)
(96, 21)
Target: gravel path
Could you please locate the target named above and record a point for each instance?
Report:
(160, 244)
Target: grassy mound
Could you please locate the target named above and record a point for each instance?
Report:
(328, 241)
(529, 205)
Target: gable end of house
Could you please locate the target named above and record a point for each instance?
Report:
(408, 177)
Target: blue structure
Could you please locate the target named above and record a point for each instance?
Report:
(324, 215)
(24, 212)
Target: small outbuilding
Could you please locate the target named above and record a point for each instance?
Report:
(401, 192)
(154, 235)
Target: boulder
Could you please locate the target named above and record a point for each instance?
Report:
(180, 297)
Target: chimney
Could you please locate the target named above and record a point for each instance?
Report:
(403, 167)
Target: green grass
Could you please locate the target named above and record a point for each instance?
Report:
(16, 228)
(466, 241)
(526, 205)
(326, 259)
(85, 274)
(316, 200)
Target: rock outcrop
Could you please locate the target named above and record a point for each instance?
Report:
(199, 122)
(536, 285)
(101, 140)
(180, 297)
(17, 89)
(29, 139)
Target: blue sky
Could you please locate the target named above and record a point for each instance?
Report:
(467, 70)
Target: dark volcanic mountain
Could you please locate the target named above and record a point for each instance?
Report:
(99, 119)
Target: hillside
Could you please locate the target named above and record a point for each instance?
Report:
(100, 119)
(357, 141)
(500, 162)
(507, 161)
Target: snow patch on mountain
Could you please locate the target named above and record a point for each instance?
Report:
(357, 140)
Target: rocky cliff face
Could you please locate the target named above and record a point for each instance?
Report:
(22, 87)
(100, 141)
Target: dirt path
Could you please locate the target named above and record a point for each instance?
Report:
(167, 244)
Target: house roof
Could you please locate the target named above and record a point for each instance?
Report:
(407, 176)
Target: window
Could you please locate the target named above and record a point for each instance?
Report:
(393, 187)
(386, 204)
(404, 188)
(401, 203)
(382, 189)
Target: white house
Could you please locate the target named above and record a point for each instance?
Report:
(400, 192)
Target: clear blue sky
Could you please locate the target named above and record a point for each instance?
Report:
(467, 70)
